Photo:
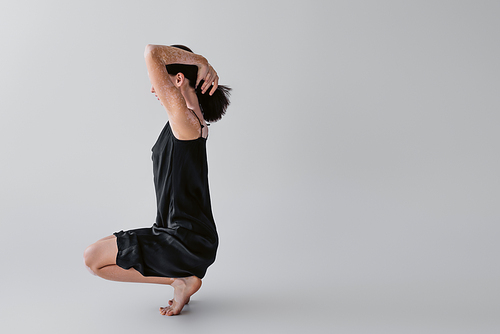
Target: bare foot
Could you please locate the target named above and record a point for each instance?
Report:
(171, 301)
(184, 288)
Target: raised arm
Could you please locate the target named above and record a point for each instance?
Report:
(157, 56)
(165, 55)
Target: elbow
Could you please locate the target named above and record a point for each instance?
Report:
(149, 49)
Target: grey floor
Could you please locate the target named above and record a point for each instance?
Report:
(354, 179)
(92, 305)
(262, 288)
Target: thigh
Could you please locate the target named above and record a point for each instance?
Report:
(101, 253)
(108, 237)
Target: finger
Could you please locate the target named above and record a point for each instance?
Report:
(212, 80)
(201, 74)
(206, 84)
(214, 87)
(210, 76)
(213, 76)
(198, 80)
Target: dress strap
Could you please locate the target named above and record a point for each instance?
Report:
(201, 125)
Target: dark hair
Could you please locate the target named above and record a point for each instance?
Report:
(213, 107)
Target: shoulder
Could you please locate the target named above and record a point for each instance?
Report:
(186, 125)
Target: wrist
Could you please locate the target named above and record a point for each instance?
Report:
(203, 62)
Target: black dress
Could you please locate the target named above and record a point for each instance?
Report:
(183, 241)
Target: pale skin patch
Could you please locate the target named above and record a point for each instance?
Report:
(187, 118)
(175, 94)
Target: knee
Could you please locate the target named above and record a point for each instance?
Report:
(90, 258)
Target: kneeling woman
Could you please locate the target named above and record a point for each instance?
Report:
(182, 243)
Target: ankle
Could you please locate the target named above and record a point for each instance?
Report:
(178, 282)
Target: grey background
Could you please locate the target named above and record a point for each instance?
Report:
(354, 179)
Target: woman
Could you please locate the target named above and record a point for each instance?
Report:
(182, 243)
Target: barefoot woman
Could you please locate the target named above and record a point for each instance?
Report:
(182, 243)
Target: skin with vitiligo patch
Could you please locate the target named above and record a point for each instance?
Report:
(178, 99)
(174, 92)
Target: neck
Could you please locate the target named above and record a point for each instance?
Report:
(191, 98)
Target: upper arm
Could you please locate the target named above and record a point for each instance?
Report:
(169, 95)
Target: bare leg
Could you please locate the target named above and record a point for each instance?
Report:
(100, 259)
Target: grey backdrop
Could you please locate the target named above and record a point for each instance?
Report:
(354, 179)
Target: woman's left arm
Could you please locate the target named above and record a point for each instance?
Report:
(173, 55)
(157, 56)
(161, 55)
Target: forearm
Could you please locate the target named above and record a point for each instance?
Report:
(165, 55)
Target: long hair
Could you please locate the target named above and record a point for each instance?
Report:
(212, 107)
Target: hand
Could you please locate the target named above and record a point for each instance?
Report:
(208, 74)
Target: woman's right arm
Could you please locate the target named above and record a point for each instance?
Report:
(172, 55)
(161, 55)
